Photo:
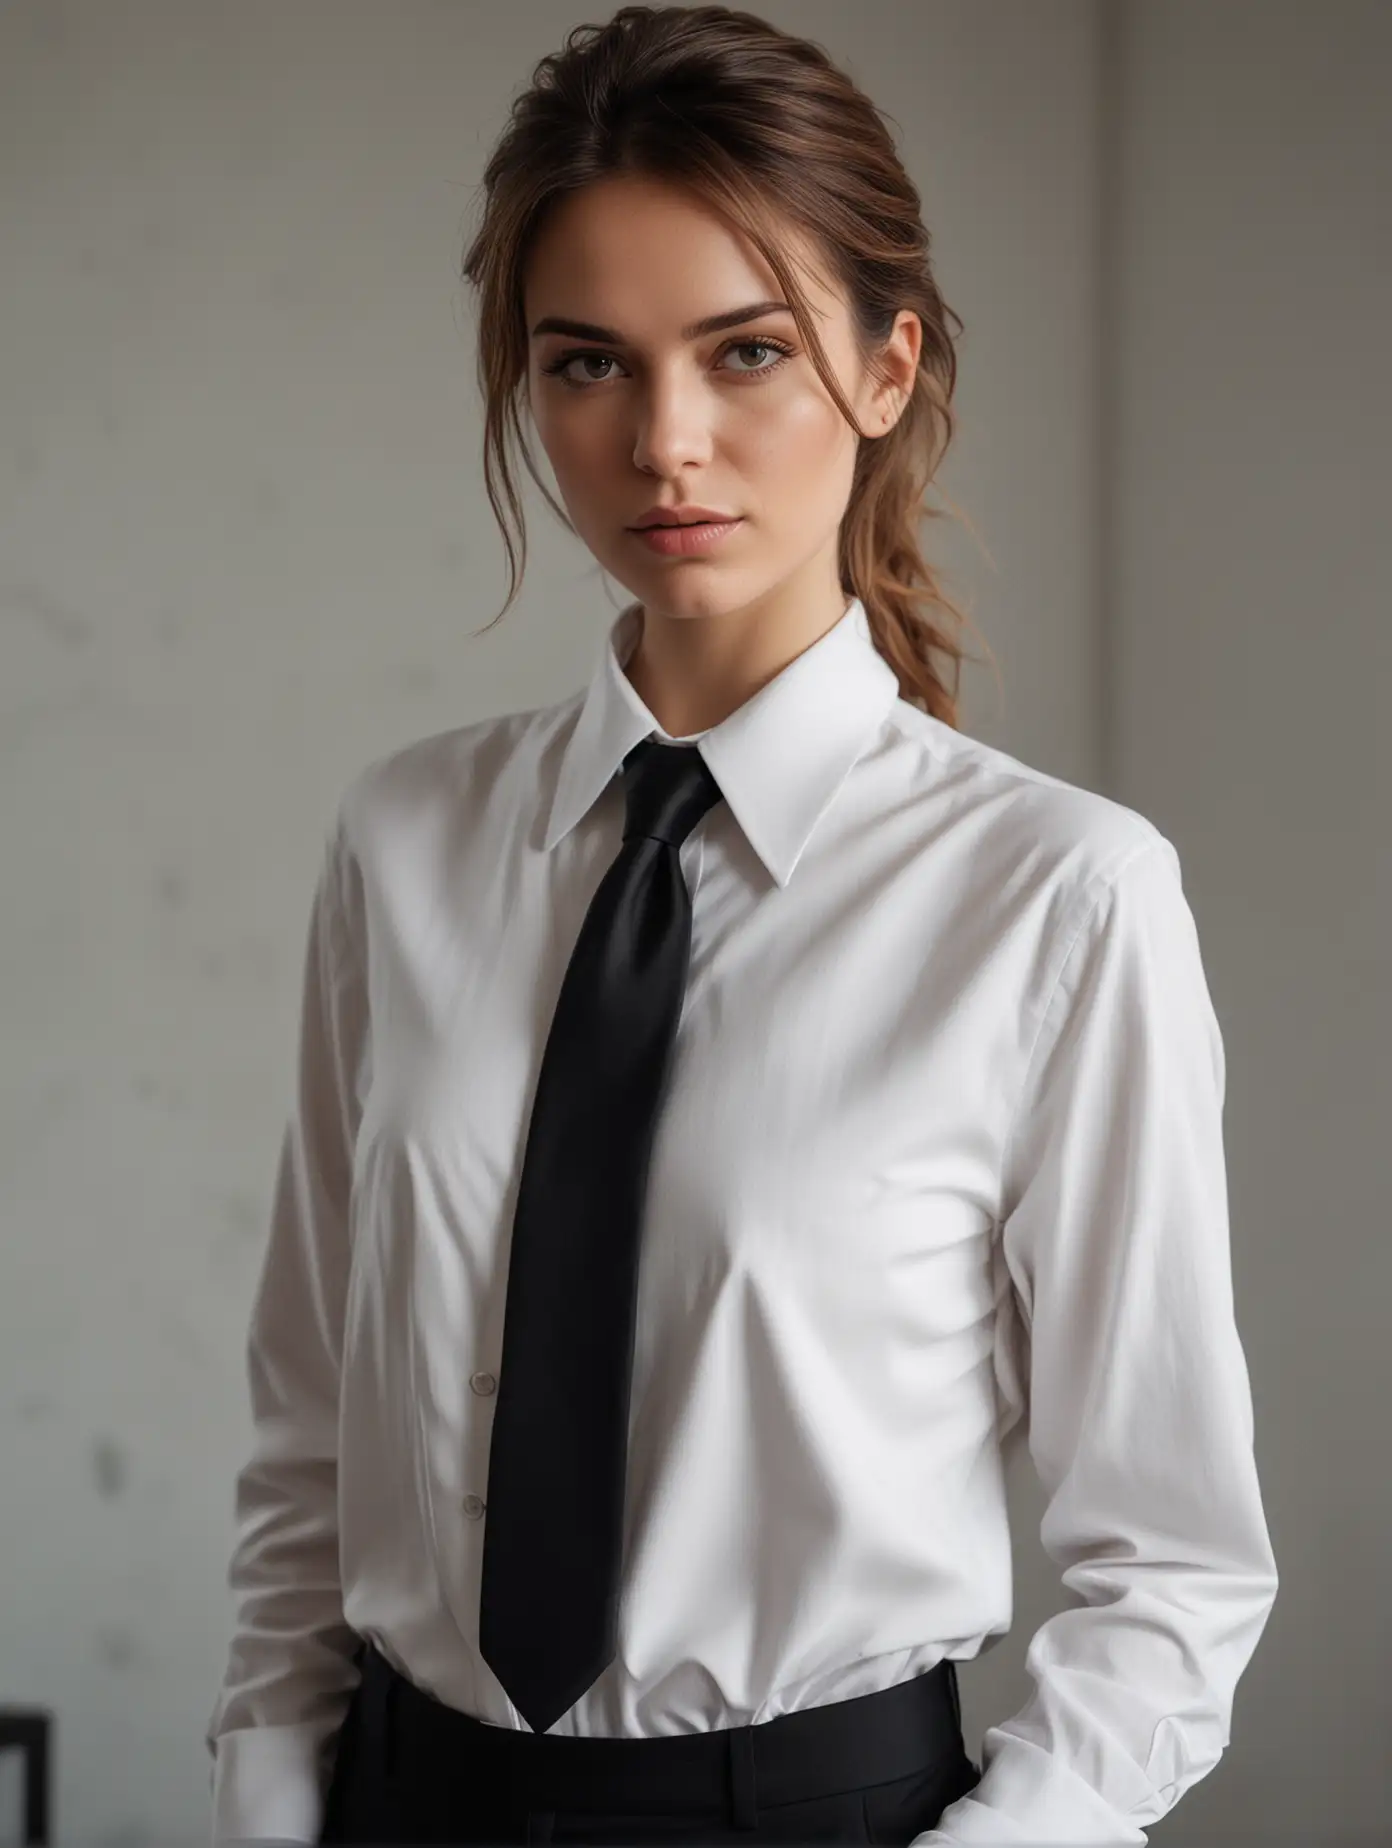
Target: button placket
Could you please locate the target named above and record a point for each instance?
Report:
(484, 1384)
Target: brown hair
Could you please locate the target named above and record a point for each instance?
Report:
(754, 121)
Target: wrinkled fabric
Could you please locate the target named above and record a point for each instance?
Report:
(941, 1157)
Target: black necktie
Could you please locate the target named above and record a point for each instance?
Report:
(552, 1550)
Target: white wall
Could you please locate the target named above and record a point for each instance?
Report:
(244, 545)
(1248, 645)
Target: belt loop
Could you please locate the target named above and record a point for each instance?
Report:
(744, 1794)
(379, 1703)
(953, 1691)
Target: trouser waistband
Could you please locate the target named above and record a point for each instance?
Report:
(811, 1753)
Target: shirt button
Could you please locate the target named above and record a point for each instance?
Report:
(473, 1506)
(483, 1382)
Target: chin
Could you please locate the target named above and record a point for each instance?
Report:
(683, 597)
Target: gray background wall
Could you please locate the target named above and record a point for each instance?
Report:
(244, 545)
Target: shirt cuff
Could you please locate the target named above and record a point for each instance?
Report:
(1027, 1798)
(267, 1785)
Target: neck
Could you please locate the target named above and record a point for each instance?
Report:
(692, 672)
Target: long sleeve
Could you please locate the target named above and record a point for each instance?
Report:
(1140, 1427)
(289, 1676)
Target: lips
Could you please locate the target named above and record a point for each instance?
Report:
(691, 514)
(695, 538)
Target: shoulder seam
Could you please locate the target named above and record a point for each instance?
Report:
(1097, 889)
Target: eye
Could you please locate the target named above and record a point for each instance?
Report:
(761, 346)
(557, 367)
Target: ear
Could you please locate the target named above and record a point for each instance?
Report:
(900, 358)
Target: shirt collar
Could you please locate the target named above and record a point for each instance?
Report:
(779, 758)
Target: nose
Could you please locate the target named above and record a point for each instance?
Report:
(673, 428)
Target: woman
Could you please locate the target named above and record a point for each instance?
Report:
(731, 1099)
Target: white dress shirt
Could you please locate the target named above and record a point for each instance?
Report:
(942, 1152)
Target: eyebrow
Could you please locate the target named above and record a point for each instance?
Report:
(712, 324)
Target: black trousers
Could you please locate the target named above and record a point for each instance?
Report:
(880, 1768)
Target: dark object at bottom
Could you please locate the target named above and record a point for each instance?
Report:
(27, 1730)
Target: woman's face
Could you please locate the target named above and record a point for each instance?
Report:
(726, 420)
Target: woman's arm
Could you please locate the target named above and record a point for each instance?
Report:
(1116, 1239)
(289, 1676)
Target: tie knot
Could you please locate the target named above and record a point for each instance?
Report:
(667, 788)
